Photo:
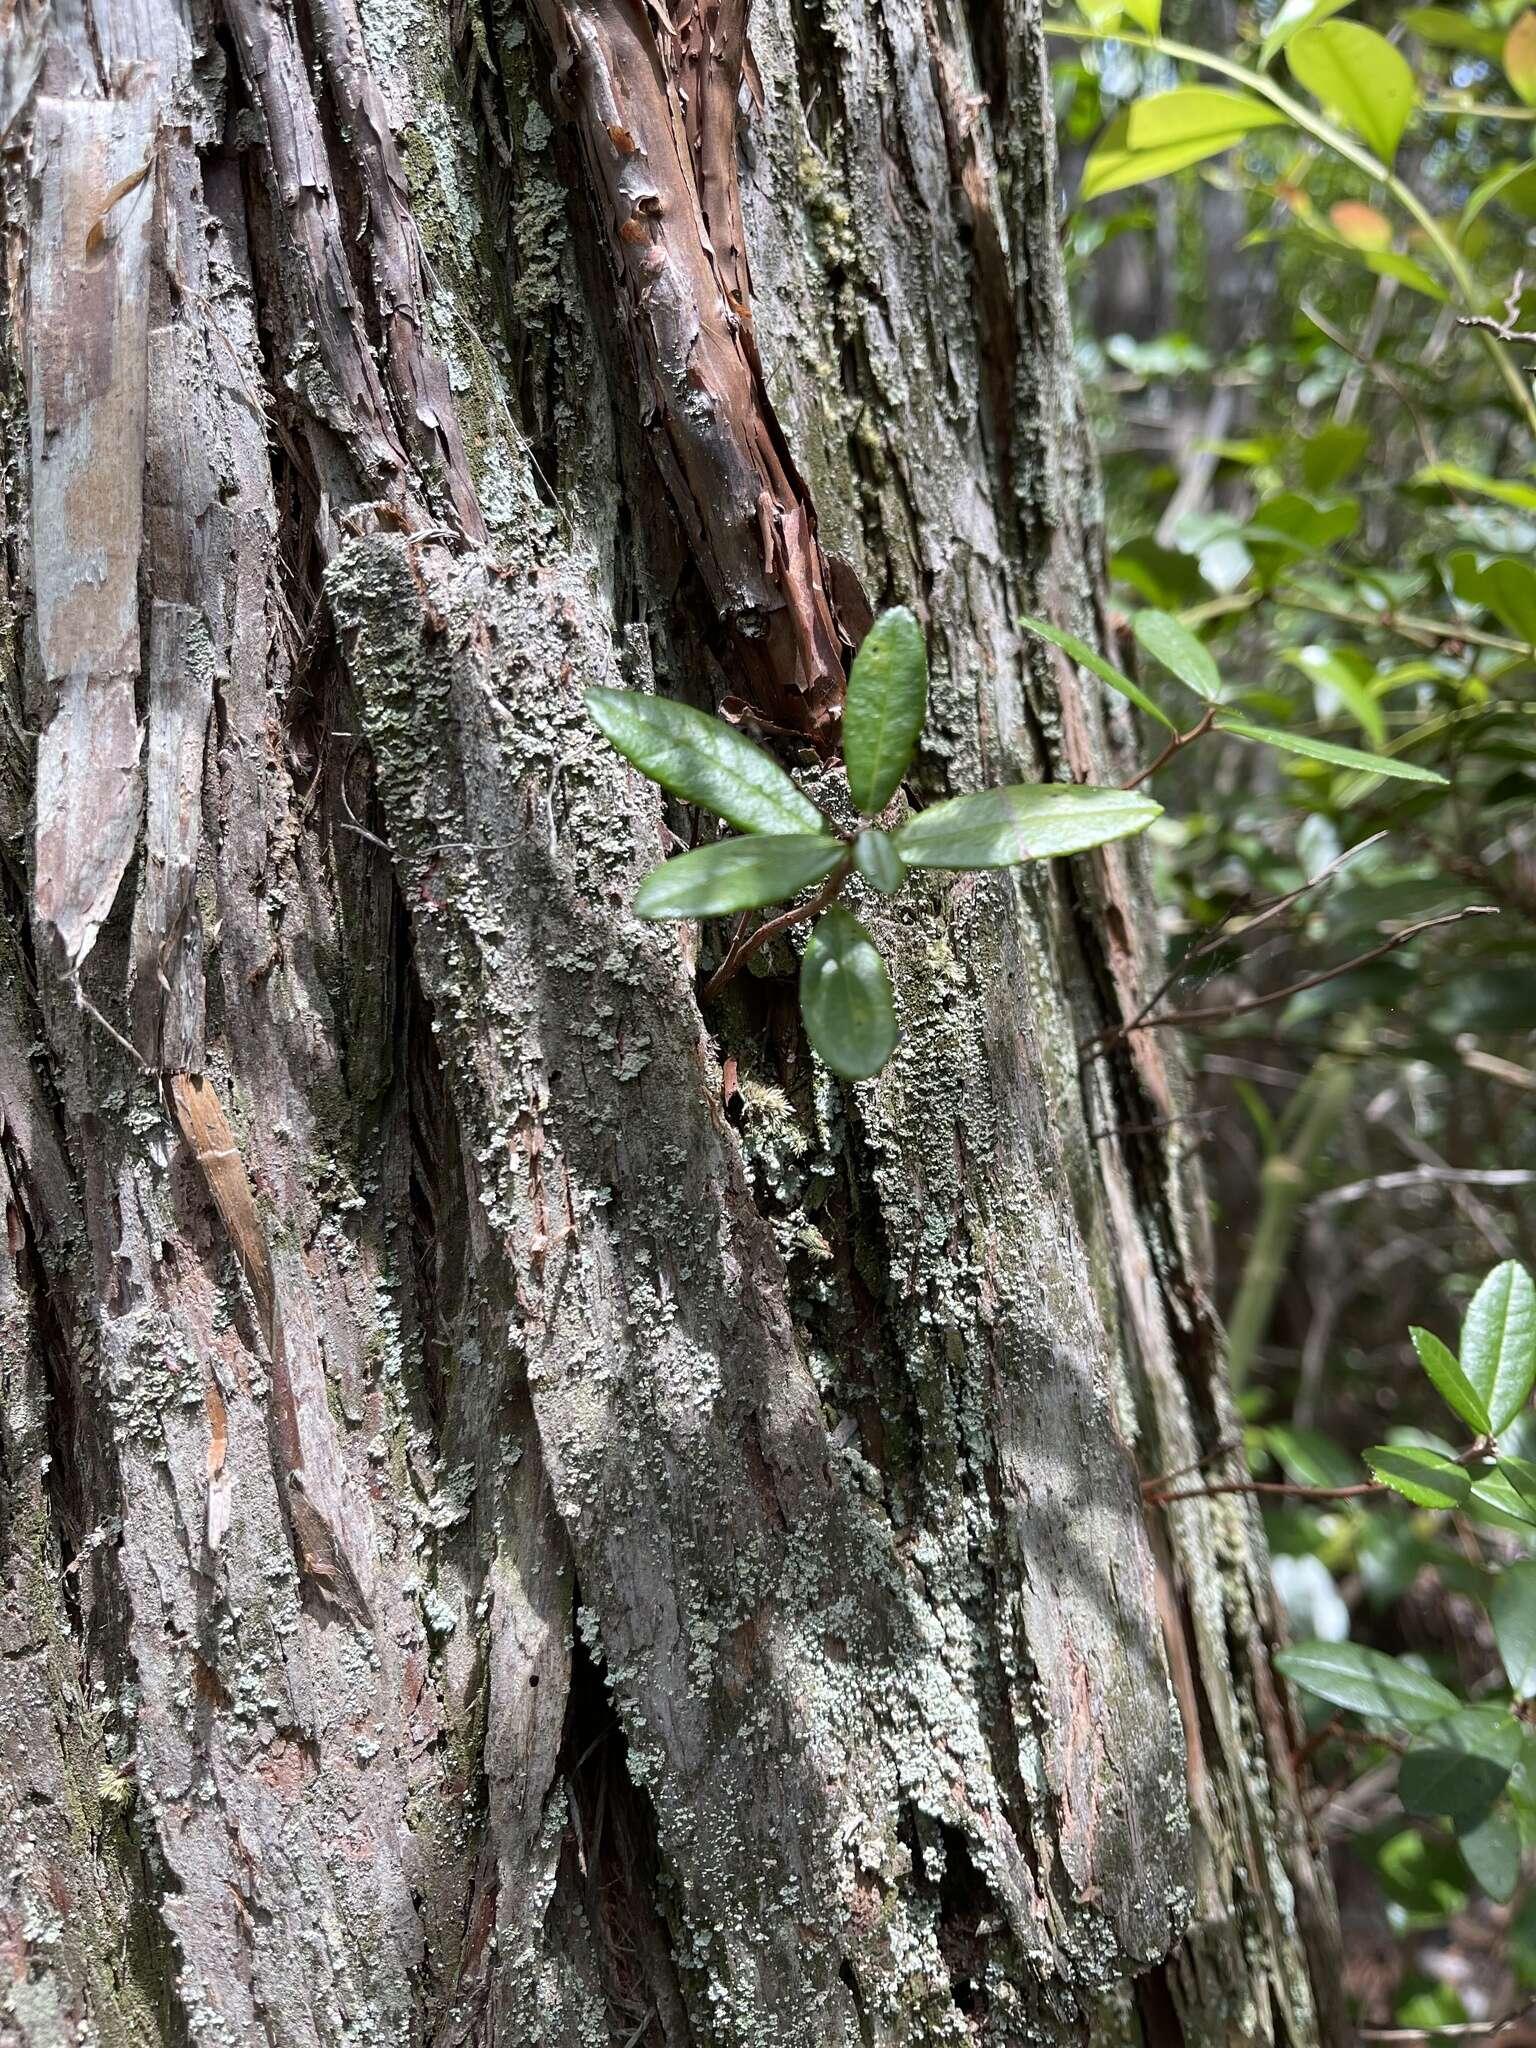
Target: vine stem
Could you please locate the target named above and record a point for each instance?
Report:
(743, 947)
(1352, 152)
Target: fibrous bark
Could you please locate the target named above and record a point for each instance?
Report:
(531, 1514)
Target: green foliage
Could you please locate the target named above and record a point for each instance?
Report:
(1498, 1343)
(1465, 1765)
(845, 996)
(1366, 1682)
(1169, 133)
(790, 845)
(1179, 650)
(1359, 77)
(884, 709)
(998, 828)
(1513, 1613)
(704, 761)
(738, 874)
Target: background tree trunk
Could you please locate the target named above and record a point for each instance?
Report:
(530, 1515)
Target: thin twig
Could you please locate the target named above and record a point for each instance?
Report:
(1227, 1444)
(743, 948)
(1220, 1012)
(1212, 940)
(1460, 2030)
(1176, 745)
(1422, 1176)
(1268, 1486)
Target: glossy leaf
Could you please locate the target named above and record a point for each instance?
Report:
(738, 874)
(1491, 1851)
(876, 858)
(1171, 642)
(1360, 77)
(1512, 1610)
(1501, 584)
(1498, 1343)
(1326, 750)
(1448, 30)
(1519, 1474)
(997, 828)
(1170, 131)
(884, 709)
(1334, 669)
(1424, 1477)
(1456, 476)
(1331, 454)
(1497, 1493)
(1393, 263)
(1292, 17)
(1311, 1458)
(1350, 1675)
(703, 761)
(1461, 1766)
(1105, 671)
(1519, 57)
(845, 997)
(1449, 1381)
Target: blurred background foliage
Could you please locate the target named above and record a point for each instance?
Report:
(1309, 368)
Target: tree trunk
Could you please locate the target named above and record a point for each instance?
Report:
(530, 1514)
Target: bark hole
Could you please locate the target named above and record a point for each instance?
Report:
(611, 1860)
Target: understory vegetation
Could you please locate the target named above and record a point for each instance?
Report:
(1299, 244)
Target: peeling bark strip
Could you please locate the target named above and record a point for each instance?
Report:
(93, 186)
(206, 1129)
(167, 935)
(656, 106)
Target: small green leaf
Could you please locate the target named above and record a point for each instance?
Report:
(996, 828)
(884, 709)
(1424, 1477)
(1170, 131)
(1310, 1458)
(1498, 1343)
(1519, 1474)
(1460, 1768)
(1491, 1851)
(845, 997)
(1171, 642)
(1503, 584)
(1512, 182)
(1294, 16)
(737, 874)
(703, 761)
(1448, 30)
(876, 858)
(1364, 1680)
(1455, 476)
(1332, 454)
(1326, 750)
(1085, 657)
(1449, 1381)
(1508, 1498)
(1513, 1612)
(1147, 15)
(1393, 263)
(1420, 1873)
(1341, 671)
(1358, 75)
